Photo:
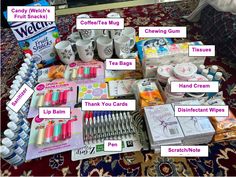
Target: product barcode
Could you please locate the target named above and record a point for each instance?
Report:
(173, 131)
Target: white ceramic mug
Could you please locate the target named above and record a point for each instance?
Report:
(84, 33)
(65, 52)
(112, 33)
(129, 32)
(123, 45)
(104, 47)
(85, 49)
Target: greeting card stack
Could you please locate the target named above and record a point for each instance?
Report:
(162, 126)
(197, 130)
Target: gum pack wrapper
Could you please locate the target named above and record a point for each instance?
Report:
(147, 43)
(41, 41)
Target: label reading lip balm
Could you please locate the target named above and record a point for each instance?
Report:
(120, 64)
(54, 112)
(166, 32)
(20, 98)
(201, 50)
(100, 23)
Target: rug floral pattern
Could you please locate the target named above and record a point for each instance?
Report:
(221, 160)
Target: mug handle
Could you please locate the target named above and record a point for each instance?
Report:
(93, 44)
(73, 28)
(132, 43)
(73, 46)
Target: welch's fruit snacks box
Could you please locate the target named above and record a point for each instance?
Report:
(37, 38)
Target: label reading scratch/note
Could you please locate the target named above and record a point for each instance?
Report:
(201, 50)
(20, 98)
(31, 14)
(54, 112)
(108, 105)
(120, 64)
(160, 31)
(184, 151)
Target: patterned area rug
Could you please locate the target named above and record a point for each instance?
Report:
(221, 160)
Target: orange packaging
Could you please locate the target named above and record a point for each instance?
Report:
(149, 95)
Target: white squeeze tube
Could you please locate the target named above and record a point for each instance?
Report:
(17, 130)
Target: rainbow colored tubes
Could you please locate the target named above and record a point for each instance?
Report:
(48, 134)
(80, 72)
(61, 96)
(40, 100)
(56, 132)
(64, 131)
(68, 126)
(55, 97)
(40, 137)
(48, 98)
(65, 96)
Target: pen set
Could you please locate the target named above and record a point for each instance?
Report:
(83, 73)
(52, 98)
(53, 133)
(101, 125)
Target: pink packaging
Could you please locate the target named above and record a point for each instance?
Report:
(85, 73)
(53, 94)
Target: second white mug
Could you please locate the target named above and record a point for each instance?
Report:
(85, 49)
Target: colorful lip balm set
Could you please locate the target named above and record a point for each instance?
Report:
(85, 73)
(50, 136)
(55, 93)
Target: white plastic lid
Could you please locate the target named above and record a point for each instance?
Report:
(28, 55)
(209, 77)
(201, 67)
(14, 118)
(204, 72)
(16, 82)
(25, 65)
(15, 87)
(4, 150)
(9, 133)
(19, 78)
(22, 74)
(7, 142)
(214, 68)
(12, 125)
(12, 92)
(218, 75)
(23, 69)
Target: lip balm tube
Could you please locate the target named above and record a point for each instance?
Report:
(80, 72)
(86, 72)
(40, 100)
(68, 126)
(55, 97)
(64, 131)
(95, 72)
(48, 98)
(61, 96)
(74, 74)
(56, 132)
(65, 96)
(40, 137)
(48, 134)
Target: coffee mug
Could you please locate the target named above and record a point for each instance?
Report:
(112, 33)
(84, 33)
(129, 32)
(123, 44)
(65, 52)
(104, 47)
(85, 49)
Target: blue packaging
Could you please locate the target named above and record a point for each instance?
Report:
(37, 38)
